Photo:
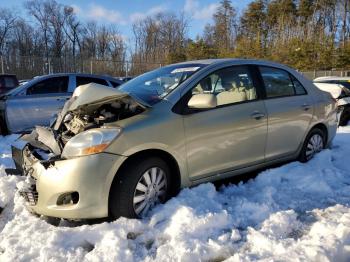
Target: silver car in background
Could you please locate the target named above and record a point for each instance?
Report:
(37, 101)
(119, 152)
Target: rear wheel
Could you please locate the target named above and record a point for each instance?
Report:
(139, 187)
(314, 143)
(345, 116)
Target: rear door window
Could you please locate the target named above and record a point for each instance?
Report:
(82, 80)
(49, 86)
(279, 83)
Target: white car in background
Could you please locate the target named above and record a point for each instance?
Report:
(339, 88)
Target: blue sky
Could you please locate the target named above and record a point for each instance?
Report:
(125, 12)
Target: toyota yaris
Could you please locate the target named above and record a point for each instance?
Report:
(120, 152)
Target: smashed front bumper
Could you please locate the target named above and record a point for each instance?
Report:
(73, 189)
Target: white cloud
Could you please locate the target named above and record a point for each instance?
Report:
(198, 11)
(97, 12)
(152, 11)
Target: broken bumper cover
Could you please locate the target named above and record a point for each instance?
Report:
(84, 181)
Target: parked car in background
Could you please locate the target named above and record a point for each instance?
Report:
(7, 83)
(37, 101)
(342, 80)
(119, 152)
(339, 89)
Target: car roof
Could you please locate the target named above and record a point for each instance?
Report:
(78, 74)
(235, 60)
(328, 78)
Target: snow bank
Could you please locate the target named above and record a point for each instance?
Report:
(294, 212)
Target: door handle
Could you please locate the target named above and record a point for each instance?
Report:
(257, 115)
(305, 107)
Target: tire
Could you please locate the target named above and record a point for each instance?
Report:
(344, 117)
(315, 142)
(125, 188)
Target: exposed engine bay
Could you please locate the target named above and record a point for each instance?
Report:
(91, 106)
(76, 122)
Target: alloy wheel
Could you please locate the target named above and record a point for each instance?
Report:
(150, 190)
(314, 145)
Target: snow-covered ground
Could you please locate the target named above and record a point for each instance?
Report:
(297, 212)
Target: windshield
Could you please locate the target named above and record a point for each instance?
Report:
(153, 86)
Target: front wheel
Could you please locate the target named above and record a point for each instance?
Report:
(139, 187)
(314, 143)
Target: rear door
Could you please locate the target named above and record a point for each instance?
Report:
(289, 109)
(38, 105)
(233, 134)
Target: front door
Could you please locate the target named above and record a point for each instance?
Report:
(233, 134)
(38, 105)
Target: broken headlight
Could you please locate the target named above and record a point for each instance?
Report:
(90, 142)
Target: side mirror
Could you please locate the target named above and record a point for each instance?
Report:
(202, 101)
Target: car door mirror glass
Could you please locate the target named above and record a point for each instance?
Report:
(202, 101)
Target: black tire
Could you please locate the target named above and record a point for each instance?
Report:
(344, 117)
(303, 157)
(124, 185)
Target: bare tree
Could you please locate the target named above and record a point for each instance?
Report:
(73, 30)
(57, 20)
(41, 12)
(7, 22)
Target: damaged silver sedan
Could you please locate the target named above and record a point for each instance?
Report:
(115, 153)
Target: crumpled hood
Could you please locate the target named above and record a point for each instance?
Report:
(93, 94)
(90, 96)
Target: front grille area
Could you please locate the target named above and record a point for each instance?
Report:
(30, 195)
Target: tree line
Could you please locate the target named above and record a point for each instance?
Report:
(305, 34)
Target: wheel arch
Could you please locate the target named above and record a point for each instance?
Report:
(165, 156)
(323, 128)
